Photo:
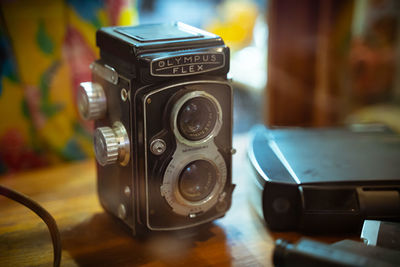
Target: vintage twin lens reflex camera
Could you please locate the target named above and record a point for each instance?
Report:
(162, 108)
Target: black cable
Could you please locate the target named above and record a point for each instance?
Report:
(42, 213)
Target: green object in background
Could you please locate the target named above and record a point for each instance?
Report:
(43, 40)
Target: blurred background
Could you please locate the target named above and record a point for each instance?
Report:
(294, 63)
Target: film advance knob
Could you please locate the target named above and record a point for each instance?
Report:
(112, 145)
(105, 146)
(91, 101)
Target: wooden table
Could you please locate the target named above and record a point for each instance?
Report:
(90, 237)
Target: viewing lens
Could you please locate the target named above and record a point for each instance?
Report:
(197, 180)
(197, 118)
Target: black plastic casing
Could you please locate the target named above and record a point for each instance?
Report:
(324, 180)
(154, 63)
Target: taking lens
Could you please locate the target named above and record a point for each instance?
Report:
(197, 180)
(197, 118)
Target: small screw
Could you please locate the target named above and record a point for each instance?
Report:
(148, 100)
(112, 77)
(121, 211)
(124, 94)
(233, 151)
(221, 206)
(222, 197)
(158, 146)
(127, 191)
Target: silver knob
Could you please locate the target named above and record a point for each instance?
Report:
(112, 145)
(105, 146)
(91, 101)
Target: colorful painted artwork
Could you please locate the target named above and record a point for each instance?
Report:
(46, 47)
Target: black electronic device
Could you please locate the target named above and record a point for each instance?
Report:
(343, 253)
(325, 180)
(384, 234)
(162, 107)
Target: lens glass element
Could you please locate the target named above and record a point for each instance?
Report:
(197, 180)
(197, 118)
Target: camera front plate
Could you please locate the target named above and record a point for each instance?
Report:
(166, 208)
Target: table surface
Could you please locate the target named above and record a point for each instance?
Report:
(91, 237)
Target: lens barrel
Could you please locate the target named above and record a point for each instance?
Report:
(197, 180)
(196, 117)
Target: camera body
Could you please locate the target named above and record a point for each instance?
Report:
(162, 108)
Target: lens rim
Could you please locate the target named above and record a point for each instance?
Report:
(181, 199)
(203, 118)
(176, 110)
(170, 187)
(209, 191)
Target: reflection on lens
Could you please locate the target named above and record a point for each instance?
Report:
(197, 180)
(197, 118)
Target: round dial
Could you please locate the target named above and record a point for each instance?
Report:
(105, 146)
(91, 101)
(112, 145)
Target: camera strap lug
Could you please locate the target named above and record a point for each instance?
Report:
(106, 72)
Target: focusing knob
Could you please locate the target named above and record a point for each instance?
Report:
(105, 146)
(112, 145)
(91, 100)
